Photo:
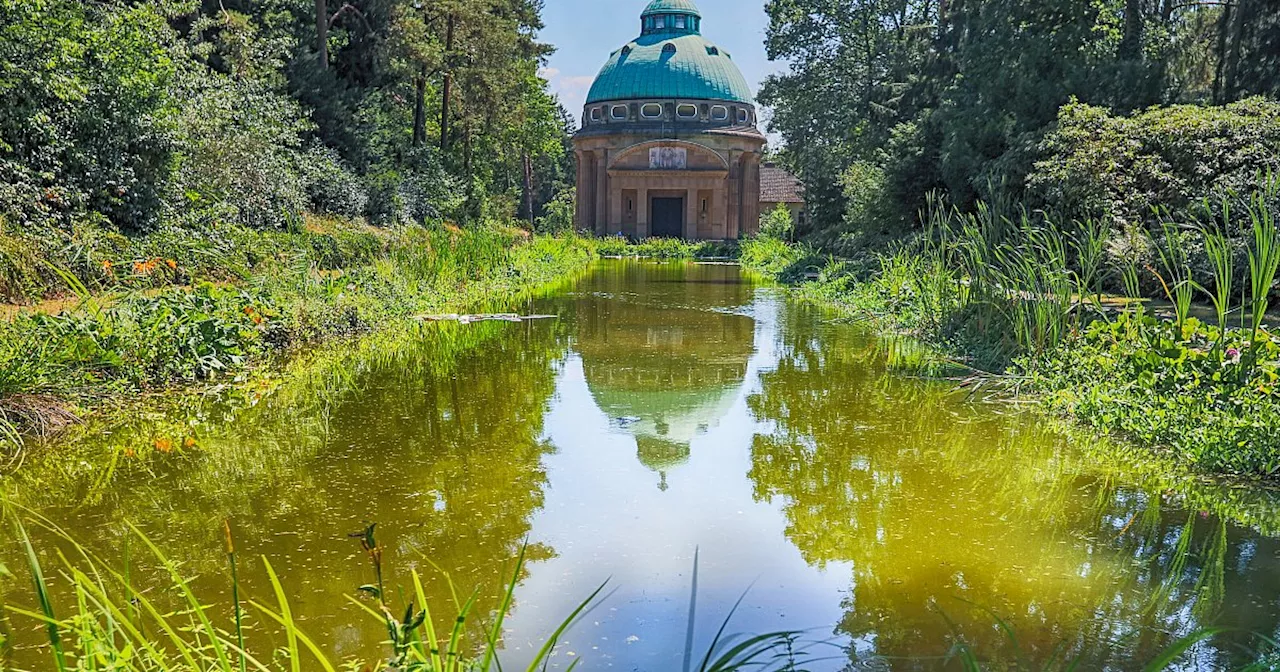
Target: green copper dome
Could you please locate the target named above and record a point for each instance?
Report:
(670, 60)
(671, 7)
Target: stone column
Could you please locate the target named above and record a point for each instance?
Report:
(615, 210)
(718, 209)
(586, 196)
(751, 196)
(735, 195)
(642, 213)
(691, 214)
(602, 191)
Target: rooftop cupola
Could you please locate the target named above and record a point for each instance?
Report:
(671, 17)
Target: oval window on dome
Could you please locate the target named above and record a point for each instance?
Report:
(719, 113)
(618, 112)
(687, 111)
(595, 114)
(742, 116)
(651, 111)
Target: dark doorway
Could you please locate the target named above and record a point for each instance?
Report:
(668, 218)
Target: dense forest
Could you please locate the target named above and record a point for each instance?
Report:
(1087, 108)
(138, 116)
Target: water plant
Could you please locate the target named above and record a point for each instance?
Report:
(1222, 263)
(1264, 256)
(1176, 280)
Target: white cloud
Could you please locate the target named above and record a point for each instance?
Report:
(572, 91)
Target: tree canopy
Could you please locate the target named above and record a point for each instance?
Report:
(140, 113)
(898, 98)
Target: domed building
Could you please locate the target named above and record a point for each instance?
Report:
(669, 145)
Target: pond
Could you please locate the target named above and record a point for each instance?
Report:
(668, 410)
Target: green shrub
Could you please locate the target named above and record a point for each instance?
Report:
(87, 120)
(332, 187)
(238, 145)
(1094, 164)
(1211, 406)
(777, 223)
(559, 213)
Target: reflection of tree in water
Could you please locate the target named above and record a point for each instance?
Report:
(437, 437)
(941, 507)
(663, 355)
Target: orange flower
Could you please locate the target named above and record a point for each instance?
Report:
(248, 310)
(189, 443)
(139, 268)
(106, 266)
(257, 319)
(164, 446)
(173, 265)
(130, 453)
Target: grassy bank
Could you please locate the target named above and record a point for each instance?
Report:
(665, 248)
(165, 312)
(1021, 299)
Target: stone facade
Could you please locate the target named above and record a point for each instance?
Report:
(716, 175)
(675, 158)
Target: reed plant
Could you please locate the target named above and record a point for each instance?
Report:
(1175, 280)
(1222, 262)
(1264, 257)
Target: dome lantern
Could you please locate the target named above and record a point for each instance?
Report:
(678, 17)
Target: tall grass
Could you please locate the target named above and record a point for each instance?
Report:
(1042, 281)
(1176, 280)
(113, 627)
(133, 341)
(1264, 256)
(1222, 262)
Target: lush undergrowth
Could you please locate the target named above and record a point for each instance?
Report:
(1023, 298)
(137, 328)
(666, 248)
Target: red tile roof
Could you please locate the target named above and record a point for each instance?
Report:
(779, 186)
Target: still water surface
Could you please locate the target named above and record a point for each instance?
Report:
(671, 408)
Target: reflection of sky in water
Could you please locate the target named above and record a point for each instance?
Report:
(605, 519)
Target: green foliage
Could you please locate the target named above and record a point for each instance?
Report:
(1019, 296)
(1173, 389)
(139, 116)
(1095, 164)
(885, 103)
(87, 123)
(559, 213)
(770, 256)
(333, 279)
(777, 223)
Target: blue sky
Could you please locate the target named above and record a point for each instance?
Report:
(584, 33)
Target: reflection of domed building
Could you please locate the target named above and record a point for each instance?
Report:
(669, 144)
(661, 371)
